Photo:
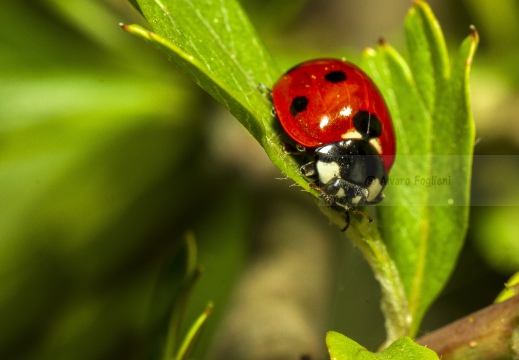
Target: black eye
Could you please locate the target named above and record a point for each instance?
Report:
(335, 76)
(368, 125)
(298, 104)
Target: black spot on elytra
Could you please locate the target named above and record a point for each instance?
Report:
(368, 125)
(298, 104)
(335, 76)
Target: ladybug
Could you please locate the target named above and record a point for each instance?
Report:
(333, 110)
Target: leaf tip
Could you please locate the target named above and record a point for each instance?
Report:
(423, 7)
(419, 3)
(134, 30)
(209, 309)
(382, 41)
(416, 4)
(474, 33)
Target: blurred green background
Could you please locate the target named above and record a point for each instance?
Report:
(108, 155)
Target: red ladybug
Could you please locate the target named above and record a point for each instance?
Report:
(332, 107)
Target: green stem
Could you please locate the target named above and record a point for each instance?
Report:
(394, 301)
(394, 305)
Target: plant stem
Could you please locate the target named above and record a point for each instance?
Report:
(488, 334)
(394, 301)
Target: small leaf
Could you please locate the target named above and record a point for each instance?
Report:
(342, 348)
(193, 334)
(511, 289)
(213, 42)
(192, 273)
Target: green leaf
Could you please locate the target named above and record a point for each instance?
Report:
(213, 42)
(511, 289)
(423, 219)
(193, 334)
(342, 348)
(191, 273)
(428, 59)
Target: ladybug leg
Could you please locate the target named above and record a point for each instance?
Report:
(330, 200)
(356, 211)
(332, 194)
(347, 220)
(309, 170)
(265, 91)
(322, 193)
(295, 150)
(291, 149)
(365, 214)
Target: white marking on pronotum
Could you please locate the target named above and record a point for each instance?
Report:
(375, 142)
(327, 171)
(351, 135)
